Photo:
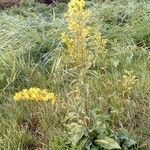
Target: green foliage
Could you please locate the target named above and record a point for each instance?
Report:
(108, 143)
(92, 131)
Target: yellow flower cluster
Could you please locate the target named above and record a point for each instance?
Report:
(77, 18)
(75, 6)
(128, 81)
(36, 94)
(81, 34)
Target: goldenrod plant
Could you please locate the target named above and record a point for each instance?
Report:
(84, 43)
(76, 39)
(81, 33)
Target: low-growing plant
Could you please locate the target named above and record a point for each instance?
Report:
(92, 131)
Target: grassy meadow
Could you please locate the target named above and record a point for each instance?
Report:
(102, 102)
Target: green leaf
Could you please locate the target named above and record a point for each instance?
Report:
(81, 144)
(93, 147)
(76, 131)
(130, 143)
(108, 143)
(76, 137)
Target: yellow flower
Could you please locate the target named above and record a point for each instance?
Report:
(128, 81)
(36, 94)
(17, 96)
(80, 33)
(77, 18)
(50, 96)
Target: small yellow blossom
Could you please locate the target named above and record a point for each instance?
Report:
(35, 94)
(128, 81)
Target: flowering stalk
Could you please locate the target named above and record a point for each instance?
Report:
(83, 43)
(82, 34)
(79, 31)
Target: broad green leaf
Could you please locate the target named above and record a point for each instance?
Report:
(76, 137)
(108, 143)
(76, 131)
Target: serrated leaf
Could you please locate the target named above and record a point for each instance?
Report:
(108, 143)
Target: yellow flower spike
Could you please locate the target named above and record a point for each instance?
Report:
(80, 33)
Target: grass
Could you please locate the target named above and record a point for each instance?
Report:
(31, 54)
